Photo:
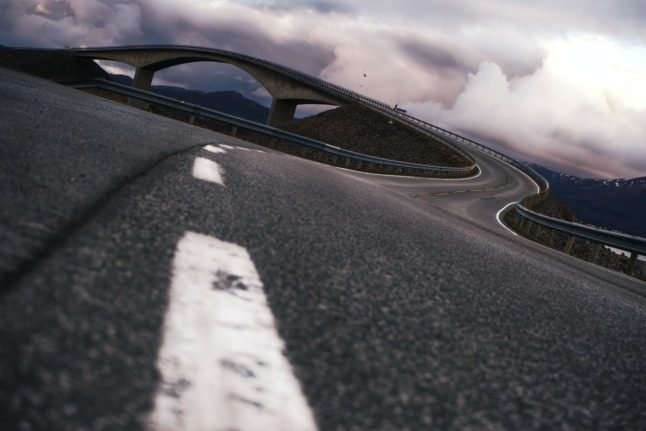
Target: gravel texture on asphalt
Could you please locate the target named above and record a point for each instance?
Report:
(402, 303)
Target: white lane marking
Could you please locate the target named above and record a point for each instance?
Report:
(221, 359)
(538, 189)
(221, 149)
(214, 149)
(409, 176)
(207, 170)
(500, 221)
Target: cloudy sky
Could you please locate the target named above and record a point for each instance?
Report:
(559, 82)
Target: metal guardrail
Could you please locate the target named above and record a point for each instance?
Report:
(150, 97)
(335, 90)
(304, 78)
(619, 240)
(635, 245)
(542, 183)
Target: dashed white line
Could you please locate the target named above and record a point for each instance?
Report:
(207, 170)
(221, 360)
(214, 149)
(410, 176)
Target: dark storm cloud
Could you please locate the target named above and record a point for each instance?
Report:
(10, 12)
(635, 162)
(235, 36)
(322, 6)
(54, 10)
(489, 66)
(434, 57)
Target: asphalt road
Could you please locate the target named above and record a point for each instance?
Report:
(400, 306)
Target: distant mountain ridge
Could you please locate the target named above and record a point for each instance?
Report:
(618, 204)
(229, 102)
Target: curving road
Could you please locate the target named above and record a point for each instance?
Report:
(399, 303)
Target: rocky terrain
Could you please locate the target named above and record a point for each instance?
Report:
(363, 130)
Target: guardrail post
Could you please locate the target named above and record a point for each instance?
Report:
(517, 219)
(234, 131)
(550, 240)
(631, 263)
(347, 162)
(191, 119)
(569, 244)
(538, 232)
(595, 252)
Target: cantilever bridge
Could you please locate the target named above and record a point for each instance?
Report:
(288, 88)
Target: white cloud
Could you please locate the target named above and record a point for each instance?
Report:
(474, 64)
(575, 111)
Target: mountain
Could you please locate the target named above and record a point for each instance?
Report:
(229, 102)
(617, 204)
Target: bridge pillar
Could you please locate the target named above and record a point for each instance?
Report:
(143, 78)
(281, 112)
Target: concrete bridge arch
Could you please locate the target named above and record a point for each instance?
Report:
(287, 93)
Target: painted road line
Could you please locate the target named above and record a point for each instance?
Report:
(207, 170)
(500, 221)
(228, 147)
(408, 176)
(538, 189)
(214, 149)
(221, 361)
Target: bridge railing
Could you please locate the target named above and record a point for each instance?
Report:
(522, 209)
(309, 80)
(635, 245)
(191, 109)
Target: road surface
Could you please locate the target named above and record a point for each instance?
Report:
(156, 275)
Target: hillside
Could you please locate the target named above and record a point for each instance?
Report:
(363, 130)
(54, 65)
(351, 126)
(229, 102)
(617, 204)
